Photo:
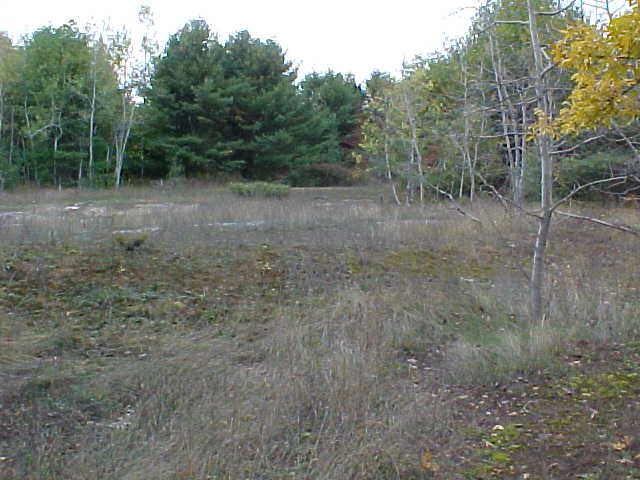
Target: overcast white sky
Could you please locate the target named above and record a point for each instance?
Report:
(343, 35)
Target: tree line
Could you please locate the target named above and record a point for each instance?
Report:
(85, 108)
(466, 119)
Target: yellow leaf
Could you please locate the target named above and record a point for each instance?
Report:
(427, 463)
(619, 446)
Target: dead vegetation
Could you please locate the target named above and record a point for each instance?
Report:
(339, 338)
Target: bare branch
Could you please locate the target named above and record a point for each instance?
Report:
(506, 202)
(584, 142)
(626, 139)
(582, 187)
(456, 205)
(557, 12)
(512, 22)
(46, 127)
(622, 228)
(549, 67)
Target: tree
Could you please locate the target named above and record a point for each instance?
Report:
(500, 52)
(606, 62)
(378, 130)
(187, 102)
(546, 162)
(10, 68)
(124, 107)
(232, 107)
(53, 95)
(101, 87)
(545, 110)
(273, 129)
(337, 96)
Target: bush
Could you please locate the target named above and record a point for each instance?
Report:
(260, 189)
(321, 175)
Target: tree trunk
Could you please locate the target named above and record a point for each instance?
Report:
(91, 129)
(513, 138)
(416, 155)
(1, 109)
(11, 138)
(122, 137)
(546, 180)
(92, 117)
(389, 174)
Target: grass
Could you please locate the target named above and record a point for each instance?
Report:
(260, 189)
(320, 336)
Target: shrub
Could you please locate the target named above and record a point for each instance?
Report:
(321, 175)
(260, 189)
(130, 239)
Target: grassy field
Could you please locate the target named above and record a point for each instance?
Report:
(193, 334)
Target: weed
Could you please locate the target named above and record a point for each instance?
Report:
(260, 189)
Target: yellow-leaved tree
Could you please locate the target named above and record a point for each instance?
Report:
(606, 62)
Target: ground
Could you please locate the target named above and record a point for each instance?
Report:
(193, 334)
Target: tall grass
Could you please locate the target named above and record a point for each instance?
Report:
(326, 397)
(349, 375)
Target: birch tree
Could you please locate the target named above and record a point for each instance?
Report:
(377, 129)
(546, 162)
(122, 57)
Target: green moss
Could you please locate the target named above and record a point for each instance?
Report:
(494, 461)
(500, 458)
(605, 386)
(437, 263)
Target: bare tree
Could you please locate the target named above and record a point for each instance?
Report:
(546, 162)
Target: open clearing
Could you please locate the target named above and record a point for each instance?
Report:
(323, 336)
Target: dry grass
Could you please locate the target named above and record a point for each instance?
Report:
(324, 336)
(321, 398)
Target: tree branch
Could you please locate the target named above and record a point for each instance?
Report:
(456, 205)
(584, 142)
(626, 139)
(511, 22)
(50, 125)
(582, 187)
(557, 12)
(504, 200)
(622, 228)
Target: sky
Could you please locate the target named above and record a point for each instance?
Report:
(348, 36)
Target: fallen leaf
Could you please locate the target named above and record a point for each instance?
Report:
(427, 463)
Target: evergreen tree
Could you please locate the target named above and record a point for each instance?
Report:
(185, 104)
(232, 107)
(339, 97)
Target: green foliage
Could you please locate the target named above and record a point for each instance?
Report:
(459, 114)
(260, 189)
(69, 111)
(231, 108)
(340, 99)
(587, 168)
(131, 240)
(321, 175)
(52, 90)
